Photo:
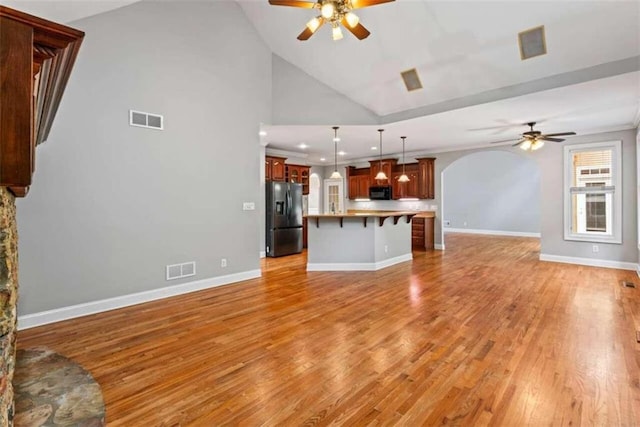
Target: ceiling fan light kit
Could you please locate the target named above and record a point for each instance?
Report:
(533, 140)
(335, 12)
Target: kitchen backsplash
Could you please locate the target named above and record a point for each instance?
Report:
(393, 205)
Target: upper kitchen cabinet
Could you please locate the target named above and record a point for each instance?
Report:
(405, 190)
(386, 165)
(298, 174)
(426, 180)
(36, 58)
(358, 180)
(274, 168)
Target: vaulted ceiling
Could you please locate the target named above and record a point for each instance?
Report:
(477, 90)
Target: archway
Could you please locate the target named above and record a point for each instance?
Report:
(314, 194)
(491, 192)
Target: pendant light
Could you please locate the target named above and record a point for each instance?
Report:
(335, 174)
(403, 177)
(381, 175)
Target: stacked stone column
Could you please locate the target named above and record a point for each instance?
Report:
(8, 301)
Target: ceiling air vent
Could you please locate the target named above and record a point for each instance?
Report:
(411, 79)
(146, 120)
(532, 43)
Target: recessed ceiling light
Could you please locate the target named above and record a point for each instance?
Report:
(374, 148)
(322, 159)
(341, 153)
(262, 133)
(303, 146)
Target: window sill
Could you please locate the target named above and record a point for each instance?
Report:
(593, 239)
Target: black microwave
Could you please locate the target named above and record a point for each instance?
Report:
(380, 193)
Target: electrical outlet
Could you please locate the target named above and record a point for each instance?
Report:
(223, 262)
(248, 206)
(596, 248)
(464, 223)
(447, 223)
(386, 249)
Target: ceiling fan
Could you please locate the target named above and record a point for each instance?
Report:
(534, 139)
(335, 12)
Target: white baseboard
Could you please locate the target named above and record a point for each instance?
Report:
(263, 254)
(590, 261)
(358, 266)
(93, 307)
(439, 246)
(638, 270)
(491, 232)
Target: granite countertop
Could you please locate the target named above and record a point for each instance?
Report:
(360, 214)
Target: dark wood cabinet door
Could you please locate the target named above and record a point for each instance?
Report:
(363, 187)
(293, 174)
(267, 169)
(417, 233)
(386, 165)
(304, 178)
(426, 182)
(411, 187)
(353, 187)
(397, 187)
(277, 169)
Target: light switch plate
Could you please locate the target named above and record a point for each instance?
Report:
(248, 206)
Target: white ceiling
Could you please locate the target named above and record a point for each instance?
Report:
(467, 55)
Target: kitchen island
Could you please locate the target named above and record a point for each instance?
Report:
(358, 240)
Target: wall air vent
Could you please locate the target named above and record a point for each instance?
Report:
(146, 120)
(532, 43)
(411, 79)
(178, 271)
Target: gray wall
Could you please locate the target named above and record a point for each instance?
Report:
(299, 99)
(111, 204)
(638, 192)
(551, 162)
(550, 165)
(492, 190)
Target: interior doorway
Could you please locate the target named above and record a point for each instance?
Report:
(492, 193)
(314, 194)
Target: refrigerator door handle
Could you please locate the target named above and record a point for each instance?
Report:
(289, 202)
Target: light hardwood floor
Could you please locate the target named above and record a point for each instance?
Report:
(481, 334)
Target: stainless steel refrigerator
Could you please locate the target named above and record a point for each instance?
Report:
(284, 218)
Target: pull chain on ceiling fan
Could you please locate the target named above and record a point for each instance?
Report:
(335, 12)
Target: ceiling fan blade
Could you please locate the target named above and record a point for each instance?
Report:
(293, 3)
(545, 138)
(359, 30)
(358, 4)
(558, 134)
(519, 142)
(502, 141)
(304, 35)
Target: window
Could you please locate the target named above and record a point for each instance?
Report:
(593, 198)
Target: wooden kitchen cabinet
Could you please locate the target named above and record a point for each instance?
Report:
(422, 233)
(305, 226)
(405, 190)
(274, 168)
(426, 179)
(298, 174)
(358, 181)
(386, 165)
